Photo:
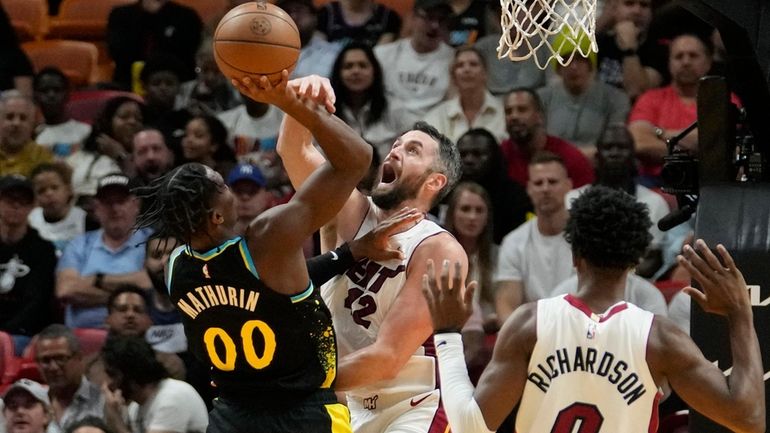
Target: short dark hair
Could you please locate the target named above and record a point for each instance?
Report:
(50, 70)
(180, 202)
(88, 421)
(707, 44)
(125, 288)
(57, 330)
(134, 359)
(608, 228)
(448, 162)
(533, 94)
(62, 169)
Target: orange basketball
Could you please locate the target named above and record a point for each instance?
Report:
(256, 38)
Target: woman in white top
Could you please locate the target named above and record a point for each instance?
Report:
(361, 101)
(474, 106)
(469, 219)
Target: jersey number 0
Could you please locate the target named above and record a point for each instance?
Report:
(247, 344)
(587, 416)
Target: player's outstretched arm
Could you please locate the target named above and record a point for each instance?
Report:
(482, 410)
(301, 158)
(738, 402)
(324, 191)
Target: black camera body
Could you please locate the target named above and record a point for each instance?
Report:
(680, 173)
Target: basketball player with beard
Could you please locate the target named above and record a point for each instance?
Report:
(387, 365)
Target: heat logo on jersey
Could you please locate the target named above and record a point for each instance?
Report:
(367, 278)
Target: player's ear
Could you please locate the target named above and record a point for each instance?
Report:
(436, 181)
(217, 217)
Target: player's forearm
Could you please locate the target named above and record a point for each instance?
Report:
(355, 370)
(461, 408)
(345, 150)
(746, 380)
(295, 147)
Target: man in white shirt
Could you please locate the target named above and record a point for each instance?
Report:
(535, 257)
(60, 133)
(416, 68)
(155, 402)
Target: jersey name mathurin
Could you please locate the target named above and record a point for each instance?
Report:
(588, 360)
(208, 296)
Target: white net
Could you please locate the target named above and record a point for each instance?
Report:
(547, 29)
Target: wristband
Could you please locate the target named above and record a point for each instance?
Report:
(99, 280)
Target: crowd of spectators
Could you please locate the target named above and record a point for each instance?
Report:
(530, 141)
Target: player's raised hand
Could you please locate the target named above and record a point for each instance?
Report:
(377, 245)
(316, 88)
(262, 90)
(450, 303)
(724, 289)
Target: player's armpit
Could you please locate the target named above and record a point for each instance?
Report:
(738, 405)
(506, 373)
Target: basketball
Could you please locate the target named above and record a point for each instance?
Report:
(256, 38)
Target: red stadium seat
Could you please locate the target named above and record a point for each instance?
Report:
(85, 105)
(91, 340)
(9, 364)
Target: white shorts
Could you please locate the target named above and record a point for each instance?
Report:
(420, 414)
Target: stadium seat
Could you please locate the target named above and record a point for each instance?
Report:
(91, 340)
(83, 19)
(77, 59)
(29, 18)
(207, 9)
(8, 362)
(84, 105)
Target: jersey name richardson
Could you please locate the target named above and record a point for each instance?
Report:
(581, 359)
(208, 296)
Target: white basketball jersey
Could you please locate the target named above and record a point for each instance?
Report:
(588, 372)
(360, 299)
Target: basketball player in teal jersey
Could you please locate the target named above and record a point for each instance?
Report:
(591, 359)
(249, 308)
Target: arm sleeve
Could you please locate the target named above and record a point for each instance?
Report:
(326, 266)
(461, 409)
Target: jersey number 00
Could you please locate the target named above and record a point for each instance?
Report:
(247, 344)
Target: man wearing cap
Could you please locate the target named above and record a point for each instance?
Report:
(19, 154)
(415, 69)
(578, 108)
(251, 196)
(27, 408)
(97, 262)
(27, 264)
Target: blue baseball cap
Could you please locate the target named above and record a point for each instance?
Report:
(246, 172)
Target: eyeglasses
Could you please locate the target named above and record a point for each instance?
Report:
(59, 360)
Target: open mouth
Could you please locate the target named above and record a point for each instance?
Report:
(388, 174)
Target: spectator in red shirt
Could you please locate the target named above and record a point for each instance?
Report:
(525, 122)
(664, 112)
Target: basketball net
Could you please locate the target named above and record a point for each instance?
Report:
(547, 29)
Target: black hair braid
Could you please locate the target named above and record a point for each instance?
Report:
(178, 203)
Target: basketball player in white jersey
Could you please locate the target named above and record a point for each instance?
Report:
(387, 362)
(590, 362)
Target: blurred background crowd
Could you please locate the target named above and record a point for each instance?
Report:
(102, 96)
